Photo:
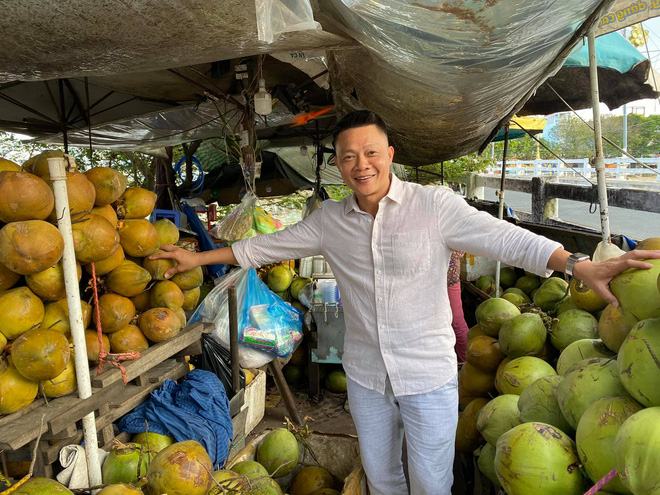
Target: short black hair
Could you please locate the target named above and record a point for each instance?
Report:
(358, 118)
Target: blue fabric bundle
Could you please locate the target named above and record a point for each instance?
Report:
(197, 409)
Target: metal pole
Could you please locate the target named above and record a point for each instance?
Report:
(599, 159)
(58, 178)
(500, 193)
(625, 128)
(233, 338)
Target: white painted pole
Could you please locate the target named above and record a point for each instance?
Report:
(599, 158)
(58, 178)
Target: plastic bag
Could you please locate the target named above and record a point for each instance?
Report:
(275, 17)
(264, 222)
(266, 321)
(214, 309)
(238, 224)
(216, 359)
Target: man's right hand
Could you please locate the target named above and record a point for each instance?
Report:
(185, 260)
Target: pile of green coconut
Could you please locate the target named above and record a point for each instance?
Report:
(560, 388)
(154, 464)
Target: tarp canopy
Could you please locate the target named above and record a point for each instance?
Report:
(444, 74)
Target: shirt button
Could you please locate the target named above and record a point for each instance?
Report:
(379, 272)
(375, 246)
(380, 298)
(369, 220)
(381, 326)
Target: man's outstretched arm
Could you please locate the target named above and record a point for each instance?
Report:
(187, 260)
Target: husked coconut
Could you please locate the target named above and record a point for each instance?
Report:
(109, 184)
(24, 196)
(30, 246)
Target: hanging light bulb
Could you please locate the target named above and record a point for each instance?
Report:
(263, 103)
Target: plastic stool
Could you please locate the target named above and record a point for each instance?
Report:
(173, 215)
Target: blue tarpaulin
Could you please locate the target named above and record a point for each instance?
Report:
(197, 409)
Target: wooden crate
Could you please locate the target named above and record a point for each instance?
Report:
(110, 400)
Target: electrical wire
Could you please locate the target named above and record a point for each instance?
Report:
(553, 153)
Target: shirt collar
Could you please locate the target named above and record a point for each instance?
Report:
(395, 194)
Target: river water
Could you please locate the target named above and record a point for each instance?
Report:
(631, 223)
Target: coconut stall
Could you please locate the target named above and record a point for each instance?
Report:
(262, 98)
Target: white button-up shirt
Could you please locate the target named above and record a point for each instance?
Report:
(391, 271)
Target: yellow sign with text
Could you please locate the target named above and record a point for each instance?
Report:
(625, 13)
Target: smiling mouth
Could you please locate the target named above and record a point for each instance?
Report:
(364, 177)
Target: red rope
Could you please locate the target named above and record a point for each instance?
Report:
(104, 356)
(602, 482)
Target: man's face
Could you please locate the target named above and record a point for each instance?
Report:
(363, 159)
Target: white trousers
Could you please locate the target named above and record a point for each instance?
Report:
(429, 423)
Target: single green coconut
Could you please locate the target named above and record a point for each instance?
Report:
(520, 292)
(309, 480)
(120, 489)
(638, 362)
(521, 372)
(41, 486)
(636, 448)
(515, 299)
(538, 458)
(336, 381)
(528, 283)
(126, 464)
(497, 417)
(297, 284)
(579, 351)
(492, 313)
(566, 304)
(614, 327)
(278, 452)
(468, 437)
(573, 325)
(260, 482)
(486, 463)
(484, 281)
(522, 335)
(153, 442)
(180, 468)
(280, 278)
(587, 382)
(637, 291)
(550, 294)
(538, 403)
(595, 436)
(508, 277)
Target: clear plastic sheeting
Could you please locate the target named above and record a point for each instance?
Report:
(275, 17)
(48, 39)
(164, 128)
(444, 73)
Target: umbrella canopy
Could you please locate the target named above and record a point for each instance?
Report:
(624, 75)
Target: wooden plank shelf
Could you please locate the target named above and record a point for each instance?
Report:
(110, 398)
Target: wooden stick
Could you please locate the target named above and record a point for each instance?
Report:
(233, 339)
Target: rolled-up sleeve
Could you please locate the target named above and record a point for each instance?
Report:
(465, 228)
(296, 241)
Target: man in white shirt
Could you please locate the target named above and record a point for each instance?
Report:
(389, 246)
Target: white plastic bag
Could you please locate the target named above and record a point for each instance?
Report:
(214, 308)
(605, 251)
(275, 17)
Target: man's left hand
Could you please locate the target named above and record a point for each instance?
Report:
(598, 274)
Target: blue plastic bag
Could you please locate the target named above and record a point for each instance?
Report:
(266, 321)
